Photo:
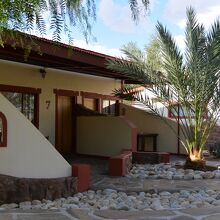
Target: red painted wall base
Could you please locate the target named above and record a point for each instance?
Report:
(83, 173)
(119, 165)
(164, 157)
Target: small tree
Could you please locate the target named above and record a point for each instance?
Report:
(45, 15)
(62, 15)
(191, 81)
(151, 53)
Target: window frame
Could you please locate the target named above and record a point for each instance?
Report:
(99, 99)
(26, 90)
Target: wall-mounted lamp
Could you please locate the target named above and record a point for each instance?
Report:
(43, 72)
(47, 104)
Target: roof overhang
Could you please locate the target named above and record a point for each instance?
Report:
(50, 54)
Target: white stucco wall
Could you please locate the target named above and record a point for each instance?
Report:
(17, 74)
(149, 123)
(28, 153)
(102, 136)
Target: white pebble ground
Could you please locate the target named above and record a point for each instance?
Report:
(168, 171)
(111, 199)
(115, 200)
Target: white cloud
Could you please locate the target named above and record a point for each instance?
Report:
(98, 48)
(180, 40)
(153, 4)
(118, 17)
(207, 11)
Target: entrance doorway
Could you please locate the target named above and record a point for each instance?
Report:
(65, 123)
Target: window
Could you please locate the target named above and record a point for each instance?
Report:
(23, 102)
(25, 99)
(104, 104)
(109, 107)
(91, 103)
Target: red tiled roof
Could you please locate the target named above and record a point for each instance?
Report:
(71, 46)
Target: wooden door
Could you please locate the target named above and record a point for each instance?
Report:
(65, 124)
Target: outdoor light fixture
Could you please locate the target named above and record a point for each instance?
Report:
(43, 72)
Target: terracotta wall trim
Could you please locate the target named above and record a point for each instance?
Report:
(64, 92)
(19, 89)
(97, 95)
(5, 130)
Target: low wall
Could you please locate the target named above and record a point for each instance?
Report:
(15, 190)
(148, 123)
(121, 164)
(150, 157)
(104, 135)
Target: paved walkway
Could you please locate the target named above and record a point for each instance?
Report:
(75, 214)
(126, 184)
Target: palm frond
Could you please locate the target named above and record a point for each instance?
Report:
(135, 70)
(132, 52)
(192, 81)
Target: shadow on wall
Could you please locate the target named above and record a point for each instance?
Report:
(146, 122)
(104, 135)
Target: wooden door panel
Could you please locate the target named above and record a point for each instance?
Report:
(59, 124)
(65, 124)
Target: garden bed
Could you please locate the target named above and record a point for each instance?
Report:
(171, 171)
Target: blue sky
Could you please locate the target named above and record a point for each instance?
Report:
(114, 26)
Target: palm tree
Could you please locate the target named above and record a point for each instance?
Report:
(188, 83)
